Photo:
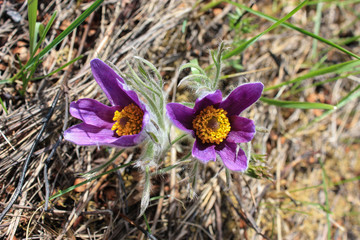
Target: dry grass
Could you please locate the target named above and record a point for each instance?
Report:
(249, 209)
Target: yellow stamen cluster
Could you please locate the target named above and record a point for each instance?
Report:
(211, 125)
(128, 120)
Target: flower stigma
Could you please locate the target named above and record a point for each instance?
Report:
(128, 120)
(211, 125)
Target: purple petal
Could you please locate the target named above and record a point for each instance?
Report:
(208, 100)
(203, 152)
(242, 130)
(86, 135)
(93, 112)
(242, 97)
(181, 116)
(111, 83)
(231, 160)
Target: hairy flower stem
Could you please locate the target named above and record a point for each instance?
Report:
(145, 199)
(217, 62)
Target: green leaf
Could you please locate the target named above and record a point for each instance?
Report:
(294, 104)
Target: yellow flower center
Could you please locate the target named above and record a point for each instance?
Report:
(128, 120)
(211, 125)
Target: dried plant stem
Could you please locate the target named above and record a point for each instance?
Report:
(46, 179)
(158, 209)
(76, 213)
(15, 221)
(147, 234)
(109, 31)
(279, 166)
(27, 161)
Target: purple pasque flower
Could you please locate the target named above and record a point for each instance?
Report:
(119, 125)
(216, 126)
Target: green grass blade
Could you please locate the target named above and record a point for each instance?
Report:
(157, 198)
(246, 44)
(210, 5)
(67, 31)
(41, 29)
(296, 211)
(3, 105)
(32, 15)
(44, 32)
(288, 25)
(357, 178)
(59, 69)
(294, 104)
(355, 93)
(27, 76)
(55, 42)
(182, 161)
(316, 28)
(322, 82)
(327, 204)
(147, 223)
(339, 3)
(337, 68)
(183, 28)
(5, 81)
(105, 165)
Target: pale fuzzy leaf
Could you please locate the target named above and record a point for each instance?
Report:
(199, 78)
(192, 65)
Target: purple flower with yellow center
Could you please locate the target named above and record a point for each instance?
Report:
(119, 125)
(216, 126)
